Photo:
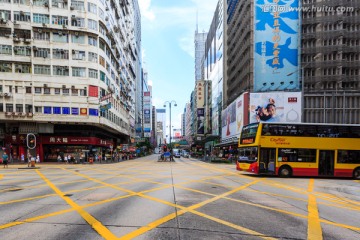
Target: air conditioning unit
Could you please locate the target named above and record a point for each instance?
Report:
(45, 85)
(1, 94)
(106, 18)
(63, 86)
(22, 13)
(72, 8)
(73, 16)
(29, 114)
(27, 40)
(64, 26)
(8, 114)
(16, 39)
(16, 114)
(72, 87)
(8, 35)
(22, 114)
(107, 9)
(46, 4)
(44, 24)
(73, 51)
(35, 48)
(7, 94)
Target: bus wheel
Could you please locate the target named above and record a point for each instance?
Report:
(285, 171)
(356, 173)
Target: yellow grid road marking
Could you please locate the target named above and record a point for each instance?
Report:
(191, 209)
(93, 222)
(314, 227)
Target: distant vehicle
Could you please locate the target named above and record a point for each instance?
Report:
(176, 152)
(185, 153)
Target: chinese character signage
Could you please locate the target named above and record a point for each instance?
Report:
(200, 94)
(276, 62)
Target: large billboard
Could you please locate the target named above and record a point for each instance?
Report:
(200, 121)
(234, 117)
(275, 107)
(276, 39)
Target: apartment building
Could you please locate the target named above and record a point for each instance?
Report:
(68, 72)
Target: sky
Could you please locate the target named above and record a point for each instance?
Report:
(168, 28)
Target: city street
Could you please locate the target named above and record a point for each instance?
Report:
(185, 199)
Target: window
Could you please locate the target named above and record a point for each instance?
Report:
(74, 92)
(38, 109)
(46, 90)
(42, 69)
(78, 55)
(93, 73)
(61, 70)
(38, 90)
(5, 14)
(348, 156)
(43, 36)
(22, 68)
(5, 67)
(9, 107)
(19, 108)
(92, 41)
(22, 51)
(60, 37)
(66, 91)
(42, 52)
(59, 3)
(41, 18)
(83, 92)
(23, 2)
(297, 155)
(91, 8)
(22, 16)
(77, 22)
(40, 2)
(92, 24)
(102, 61)
(28, 90)
(6, 49)
(57, 91)
(93, 57)
(102, 76)
(60, 53)
(77, 38)
(77, 5)
(59, 20)
(78, 72)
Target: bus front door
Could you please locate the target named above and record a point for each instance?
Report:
(326, 162)
(267, 160)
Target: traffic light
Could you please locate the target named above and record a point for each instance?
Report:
(31, 140)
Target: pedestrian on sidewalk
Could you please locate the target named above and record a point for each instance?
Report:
(5, 158)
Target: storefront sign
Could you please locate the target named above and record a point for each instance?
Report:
(76, 140)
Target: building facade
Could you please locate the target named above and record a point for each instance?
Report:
(199, 42)
(68, 72)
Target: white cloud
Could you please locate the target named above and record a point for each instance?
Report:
(187, 44)
(145, 9)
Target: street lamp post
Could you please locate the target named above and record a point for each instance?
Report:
(172, 101)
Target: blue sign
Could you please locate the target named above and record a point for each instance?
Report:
(66, 110)
(75, 111)
(276, 65)
(47, 110)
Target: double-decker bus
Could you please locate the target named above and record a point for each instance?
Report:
(300, 149)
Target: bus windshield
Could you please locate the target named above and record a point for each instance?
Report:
(248, 154)
(248, 133)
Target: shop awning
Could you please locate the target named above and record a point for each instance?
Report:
(226, 144)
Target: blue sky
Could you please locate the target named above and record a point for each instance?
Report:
(168, 28)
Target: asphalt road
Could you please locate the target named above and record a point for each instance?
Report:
(185, 199)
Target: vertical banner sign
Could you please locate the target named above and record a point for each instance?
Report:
(147, 113)
(200, 120)
(200, 94)
(276, 65)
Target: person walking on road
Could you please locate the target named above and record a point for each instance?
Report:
(5, 158)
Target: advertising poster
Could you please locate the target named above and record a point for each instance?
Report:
(234, 117)
(200, 120)
(282, 107)
(276, 63)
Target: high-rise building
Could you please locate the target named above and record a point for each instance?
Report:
(161, 117)
(330, 57)
(68, 72)
(200, 39)
(328, 73)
